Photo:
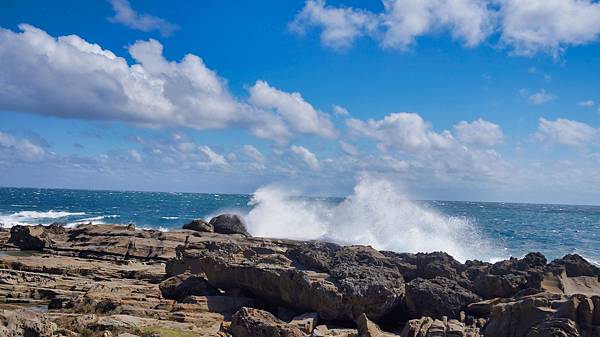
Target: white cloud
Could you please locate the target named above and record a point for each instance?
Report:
(405, 20)
(299, 114)
(127, 16)
(135, 156)
(479, 132)
(403, 131)
(535, 26)
(341, 26)
(154, 92)
(538, 98)
(253, 153)
(401, 23)
(303, 154)
(565, 132)
(213, 157)
(586, 104)
(16, 148)
(340, 111)
(527, 27)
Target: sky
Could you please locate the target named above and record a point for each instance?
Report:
(492, 100)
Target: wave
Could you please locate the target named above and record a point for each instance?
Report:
(34, 217)
(377, 213)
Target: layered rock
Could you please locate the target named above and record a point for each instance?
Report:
(339, 283)
(112, 279)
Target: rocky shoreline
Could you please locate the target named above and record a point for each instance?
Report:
(214, 279)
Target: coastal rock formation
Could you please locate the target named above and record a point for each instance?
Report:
(249, 322)
(229, 224)
(199, 225)
(339, 283)
(112, 280)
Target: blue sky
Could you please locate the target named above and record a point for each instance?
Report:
(454, 99)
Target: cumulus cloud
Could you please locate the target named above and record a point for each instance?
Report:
(306, 156)
(404, 131)
(409, 144)
(299, 114)
(341, 26)
(479, 132)
(526, 27)
(550, 26)
(565, 132)
(127, 16)
(340, 111)
(537, 98)
(17, 148)
(154, 92)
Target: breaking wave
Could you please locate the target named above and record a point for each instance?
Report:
(376, 213)
(34, 217)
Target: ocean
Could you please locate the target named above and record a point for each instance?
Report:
(385, 220)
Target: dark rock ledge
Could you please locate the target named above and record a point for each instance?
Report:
(213, 279)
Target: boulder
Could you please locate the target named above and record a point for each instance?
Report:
(229, 224)
(181, 286)
(437, 297)
(199, 225)
(28, 237)
(250, 322)
(358, 279)
(25, 323)
(575, 265)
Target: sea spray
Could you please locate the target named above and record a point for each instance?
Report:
(376, 213)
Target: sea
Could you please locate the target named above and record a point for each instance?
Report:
(386, 219)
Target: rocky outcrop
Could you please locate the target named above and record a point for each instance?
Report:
(229, 224)
(25, 323)
(249, 322)
(437, 297)
(199, 225)
(102, 280)
(339, 283)
(181, 286)
(544, 314)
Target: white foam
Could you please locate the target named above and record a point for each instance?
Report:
(34, 217)
(377, 213)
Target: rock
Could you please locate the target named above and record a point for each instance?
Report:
(555, 327)
(366, 328)
(181, 286)
(229, 224)
(28, 237)
(437, 297)
(359, 279)
(575, 265)
(518, 317)
(199, 225)
(324, 331)
(306, 322)
(428, 327)
(25, 323)
(249, 322)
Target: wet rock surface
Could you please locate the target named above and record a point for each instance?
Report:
(114, 280)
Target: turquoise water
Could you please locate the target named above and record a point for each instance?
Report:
(513, 229)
